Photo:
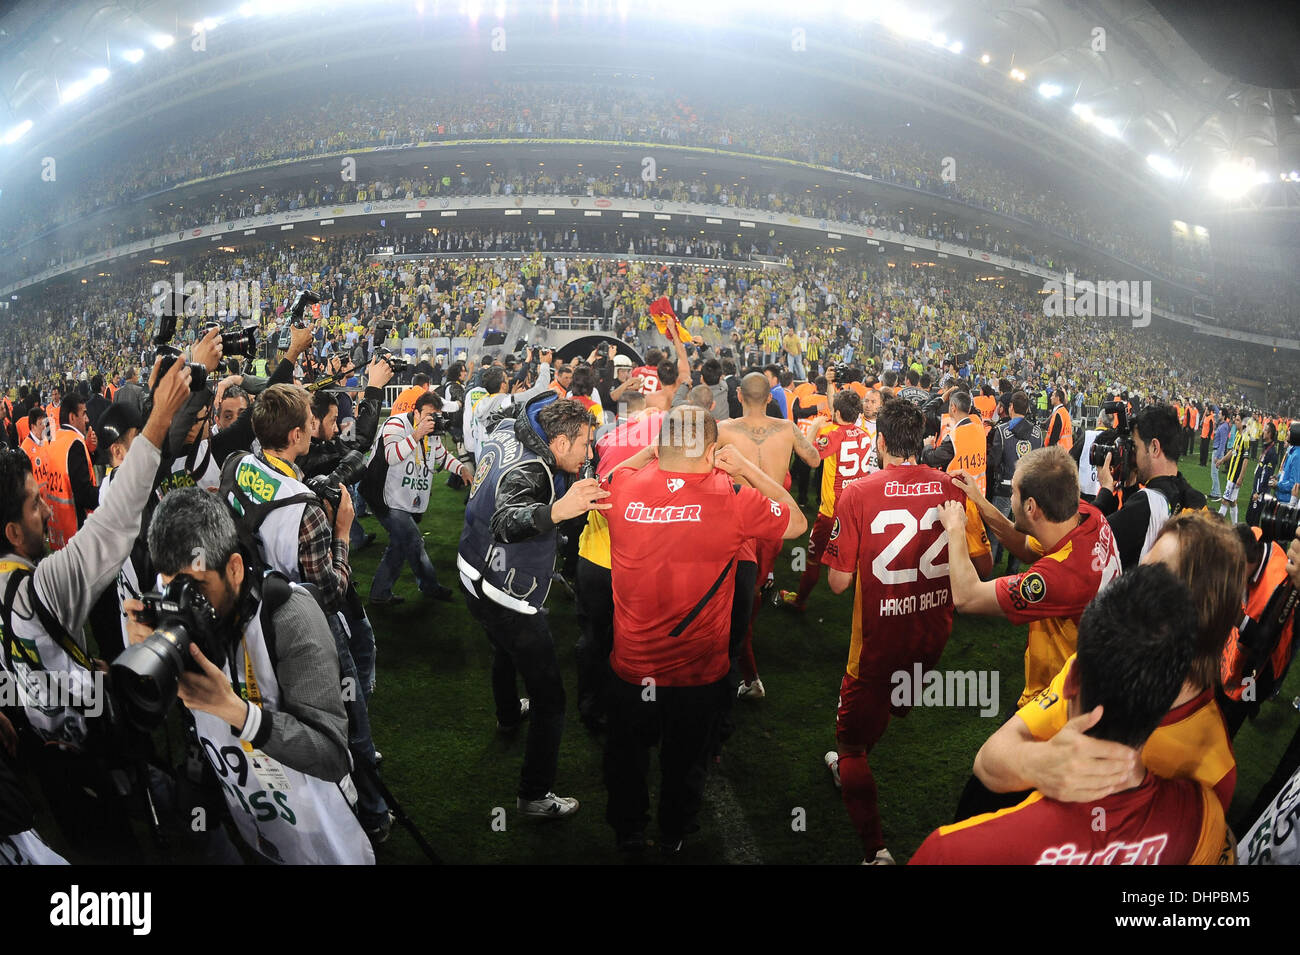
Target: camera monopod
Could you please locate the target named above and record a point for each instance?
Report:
(400, 815)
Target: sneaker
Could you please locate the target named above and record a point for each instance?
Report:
(751, 691)
(380, 831)
(769, 583)
(523, 715)
(439, 593)
(392, 600)
(833, 764)
(788, 599)
(549, 806)
(379, 758)
(882, 858)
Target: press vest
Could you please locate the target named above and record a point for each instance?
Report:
(194, 469)
(63, 522)
(515, 576)
(285, 814)
(1088, 483)
(970, 452)
(278, 531)
(407, 484)
(1066, 440)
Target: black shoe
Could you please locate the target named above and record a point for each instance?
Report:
(596, 724)
(442, 593)
(633, 844)
(672, 847)
(380, 831)
(392, 600)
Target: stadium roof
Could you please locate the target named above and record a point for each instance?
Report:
(1138, 82)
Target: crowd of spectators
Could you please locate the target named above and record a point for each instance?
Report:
(840, 308)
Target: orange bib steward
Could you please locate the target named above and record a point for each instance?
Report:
(811, 425)
(1066, 439)
(63, 522)
(970, 451)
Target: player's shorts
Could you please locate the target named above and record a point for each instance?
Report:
(1230, 492)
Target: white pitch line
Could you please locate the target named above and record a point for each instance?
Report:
(739, 845)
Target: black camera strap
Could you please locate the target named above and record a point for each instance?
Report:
(678, 630)
(53, 627)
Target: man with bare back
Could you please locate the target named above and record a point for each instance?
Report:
(768, 442)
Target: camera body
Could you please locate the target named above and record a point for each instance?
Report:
(148, 673)
(170, 354)
(304, 298)
(1120, 448)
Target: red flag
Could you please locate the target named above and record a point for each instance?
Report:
(661, 310)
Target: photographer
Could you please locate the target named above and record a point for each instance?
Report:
(1289, 476)
(266, 700)
(478, 411)
(292, 523)
(46, 601)
(397, 485)
(506, 557)
(1157, 444)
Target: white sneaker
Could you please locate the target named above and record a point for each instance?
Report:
(549, 806)
(882, 858)
(833, 764)
(751, 691)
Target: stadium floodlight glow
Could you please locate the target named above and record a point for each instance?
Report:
(986, 59)
(16, 133)
(209, 23)
(1083, 112)
(1017, 75)
(81, 87)
(1232, 180)
(1049, 90)
(956, 46)
(1163, 165)
(133, 56)
(1201, 231)
(162, 40)
(905, 22)
(939, 39)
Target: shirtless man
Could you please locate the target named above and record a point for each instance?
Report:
(768, 442)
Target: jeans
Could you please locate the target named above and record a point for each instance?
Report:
(371, 808)
(361, 643)
(523, 647)
(1215, 490)
(795, 364)
(683, 721)
(1003, 504)
(596, 617)
(405, 545)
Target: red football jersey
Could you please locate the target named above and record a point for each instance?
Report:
(616, 446)
(649, 378)
(887, 528)
(1161, 822)
(845, 450)
(671, 535)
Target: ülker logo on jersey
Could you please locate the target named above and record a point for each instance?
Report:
(675, 484)
(638, 513)
(1146, 852)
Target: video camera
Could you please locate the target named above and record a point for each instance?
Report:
(304, 298)
(147, 674)
(1120, 448)
(169, 353)
(933, 411)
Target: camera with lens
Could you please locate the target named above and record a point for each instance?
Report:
(238, 341)
(147, 674)
(933, 411)
(1119, 444)
(347, 472)
(304, 298)
(394, 361)
(1278, 521)
(162, 336)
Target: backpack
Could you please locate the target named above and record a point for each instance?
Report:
(250, 513)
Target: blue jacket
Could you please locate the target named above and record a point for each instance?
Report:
(1290, 476)
(1221, 439)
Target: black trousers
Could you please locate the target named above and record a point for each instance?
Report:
(596, 642)
(683, 722)
(523, 647)
(799, 474)
(1205, 451)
